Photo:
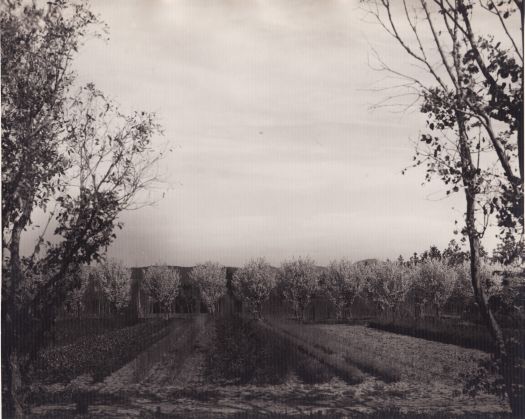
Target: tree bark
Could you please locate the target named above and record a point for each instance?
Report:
(502, 355)
(12, 406)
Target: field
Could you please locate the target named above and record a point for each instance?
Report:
(230, 367)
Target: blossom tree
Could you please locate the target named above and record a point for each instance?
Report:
(210, 277)
(114, 279)
(253, 284)
(342, 283)
(298, 281)
(387, 285)
(162, 284)
(433, 284)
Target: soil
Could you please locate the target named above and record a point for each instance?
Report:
(168, 379)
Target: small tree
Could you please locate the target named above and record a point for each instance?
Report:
(210, 277)
(253, 284)
(114, 279)
(387, 285)
(298, 281)
(342, 283)
(74, 302)
(433, 284)
(162, 284)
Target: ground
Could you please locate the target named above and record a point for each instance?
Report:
(168, 380)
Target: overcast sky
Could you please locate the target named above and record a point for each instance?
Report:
(275, 150)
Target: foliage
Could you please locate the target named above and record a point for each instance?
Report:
(74, 302)
(240, 355)
(471, 93)
(98, 355)
(162, 284)
(68, 154)
(387, 285)
(433, 282)
(210, 277)
(253, 283)
(114, 279)
(298, 280)
(68, 331)
(245, 352)
(342, 283)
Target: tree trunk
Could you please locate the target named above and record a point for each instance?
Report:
(504, 360)
(502, 354)
(11, 386)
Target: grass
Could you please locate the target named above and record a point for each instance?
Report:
(98, 355)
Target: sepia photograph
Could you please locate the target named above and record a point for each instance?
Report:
(276, 209)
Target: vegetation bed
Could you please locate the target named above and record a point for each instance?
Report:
(246, 352)
(455, 333)
(418, 359)
(332, 348)
(67, 331)
(98, 355)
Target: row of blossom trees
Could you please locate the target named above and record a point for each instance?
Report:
(390, 286)
(427, 283)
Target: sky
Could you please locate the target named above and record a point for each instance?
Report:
(276, 151)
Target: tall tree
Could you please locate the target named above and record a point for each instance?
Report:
(469, 86)
(67, 153)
